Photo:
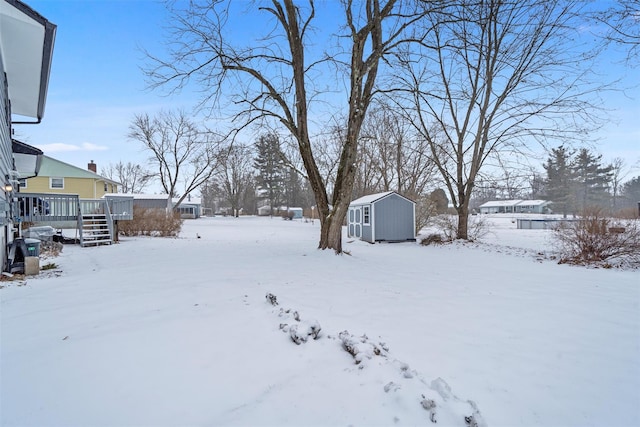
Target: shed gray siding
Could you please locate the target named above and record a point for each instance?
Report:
(150, 203)
(394, 219)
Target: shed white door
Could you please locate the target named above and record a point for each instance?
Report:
(354, 222)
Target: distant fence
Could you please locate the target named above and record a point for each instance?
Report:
(542, 223)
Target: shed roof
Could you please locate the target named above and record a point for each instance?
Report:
(150, 197)
(372, 198)
(188, 201)
(533, 202)
(492, 203)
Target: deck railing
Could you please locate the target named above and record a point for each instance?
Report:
(43, 207)
(121, 208)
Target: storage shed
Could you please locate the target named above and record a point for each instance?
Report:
(382, 217)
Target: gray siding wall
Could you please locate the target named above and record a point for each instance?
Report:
(394, 219)
(150, 203)
(6, 164)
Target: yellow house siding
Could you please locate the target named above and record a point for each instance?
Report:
(83, 187)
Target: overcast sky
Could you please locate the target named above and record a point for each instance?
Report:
(96, 85)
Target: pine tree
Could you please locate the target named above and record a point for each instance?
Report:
(271, 169)
(560, 182)
(591, 180)
(440, 201)
(631, 192)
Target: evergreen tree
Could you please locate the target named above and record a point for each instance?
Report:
(440, 201)
(631, 192)
(293, 189)
(271, 169)
(591, 180)
(560, 180)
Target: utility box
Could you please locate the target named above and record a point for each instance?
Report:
(33, 247)
(31, 265)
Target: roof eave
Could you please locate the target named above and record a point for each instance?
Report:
(31, 105)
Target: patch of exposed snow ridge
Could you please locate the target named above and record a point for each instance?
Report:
(435, 397)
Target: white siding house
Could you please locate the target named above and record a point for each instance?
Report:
(515, 206)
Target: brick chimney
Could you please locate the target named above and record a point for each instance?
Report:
(92, 167)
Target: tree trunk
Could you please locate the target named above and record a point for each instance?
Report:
(463, 222)
(331, 229)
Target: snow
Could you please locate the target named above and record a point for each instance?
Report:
(168, 332)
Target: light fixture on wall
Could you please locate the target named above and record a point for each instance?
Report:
(8, 187)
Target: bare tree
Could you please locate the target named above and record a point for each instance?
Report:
(622, 19)
(496, 76)
(393, 156)
(184, 155)
(272, 78)
(234, 175)
(133, 178)
(619, 173)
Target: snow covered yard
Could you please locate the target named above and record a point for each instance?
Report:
(167, 332)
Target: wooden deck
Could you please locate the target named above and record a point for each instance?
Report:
(52, 209)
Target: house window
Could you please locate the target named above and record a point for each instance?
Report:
(22, 182)
(56, 182)
(365, 215)
(105, 187)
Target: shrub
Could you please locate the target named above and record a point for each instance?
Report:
(49, 266)
(627, 213)
(597, 239)
(50, 249)
(477, 227)
(151, 222)
(425, 211)
(288, 215)
(432, 239)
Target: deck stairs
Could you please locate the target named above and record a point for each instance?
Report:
(96, 230)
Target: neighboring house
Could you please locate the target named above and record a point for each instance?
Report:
(56, 176)
(515, 206)
(264, 210)
(26, 48)
(190, 208)
(380, 217)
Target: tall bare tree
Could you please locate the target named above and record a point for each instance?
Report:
(184, 155)
(234, 175)
(133, 178)
(496, 76)
(393, 155)
(272, 78)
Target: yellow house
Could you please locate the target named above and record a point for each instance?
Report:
(60, 177)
